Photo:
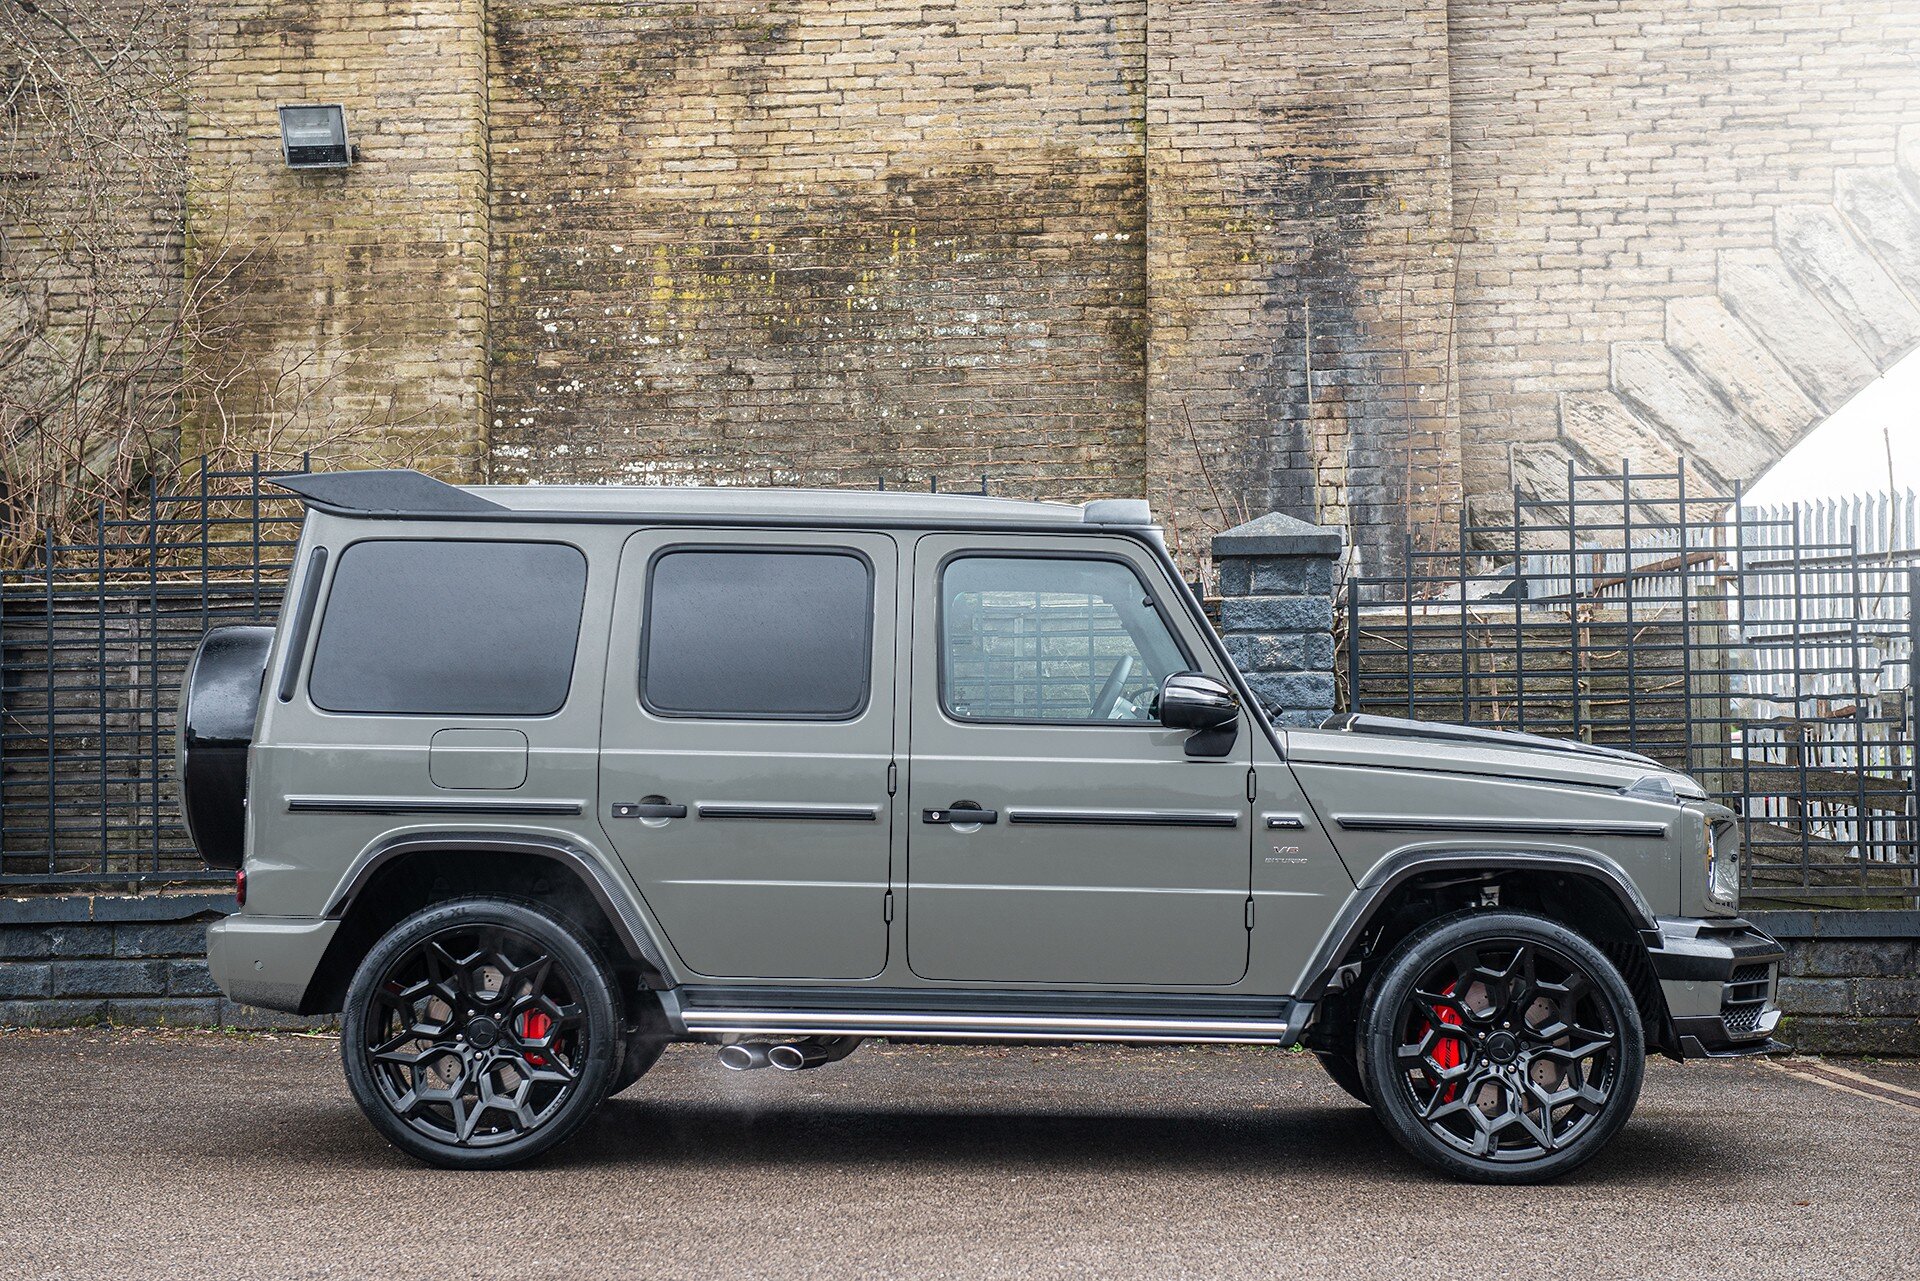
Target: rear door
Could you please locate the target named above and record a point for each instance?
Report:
(746, 741)
(1111, 856)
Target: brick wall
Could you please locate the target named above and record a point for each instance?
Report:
(1620, 169)
(819, 243)
(346, 309)
(1300, 273)
(1236, 254)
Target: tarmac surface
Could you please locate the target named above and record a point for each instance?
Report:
(189, 1155)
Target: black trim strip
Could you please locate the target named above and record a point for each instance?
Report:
(290, 662)
(1525, 826)
(1125, 818)
(424, 805)
(826, 813)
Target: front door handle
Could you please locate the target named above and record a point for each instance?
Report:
(960, 814)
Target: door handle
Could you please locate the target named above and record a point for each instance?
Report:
(648, 809)
(960, 814)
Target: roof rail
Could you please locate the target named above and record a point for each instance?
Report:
(395, 492)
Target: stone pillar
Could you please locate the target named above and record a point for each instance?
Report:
(1276, 612)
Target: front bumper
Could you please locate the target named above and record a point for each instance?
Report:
(1721, 978)
(267, 960)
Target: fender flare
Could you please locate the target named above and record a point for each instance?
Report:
(633, 931)
(1397, 869)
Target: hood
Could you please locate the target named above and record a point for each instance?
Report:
(1391, 742)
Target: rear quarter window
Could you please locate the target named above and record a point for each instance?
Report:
(450, 628)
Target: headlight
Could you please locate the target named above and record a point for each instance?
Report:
(1723, 870)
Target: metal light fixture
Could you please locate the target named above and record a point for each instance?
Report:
(315, 137)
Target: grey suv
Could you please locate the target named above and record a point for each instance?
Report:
(531, 782)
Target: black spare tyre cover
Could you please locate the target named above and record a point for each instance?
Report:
(218, 702)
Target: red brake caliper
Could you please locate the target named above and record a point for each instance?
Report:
(533, 1026)
(1448, 1052)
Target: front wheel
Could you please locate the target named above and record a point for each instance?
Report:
(481, 1032)
(1501, 1047)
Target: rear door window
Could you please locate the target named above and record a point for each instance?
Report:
(454, 628)
(752, 634)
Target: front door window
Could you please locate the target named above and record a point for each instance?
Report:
(1051, 640)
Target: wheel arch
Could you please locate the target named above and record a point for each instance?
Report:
(400, 876)
(1586, 892)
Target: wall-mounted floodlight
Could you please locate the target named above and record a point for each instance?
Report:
(315, 137)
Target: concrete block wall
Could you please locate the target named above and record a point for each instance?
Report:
(138, 960)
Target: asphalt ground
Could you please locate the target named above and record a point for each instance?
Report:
(183, 1155)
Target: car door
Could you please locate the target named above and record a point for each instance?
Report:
(1104, 853)
(746, 741)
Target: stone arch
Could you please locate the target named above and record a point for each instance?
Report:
(1789, 334)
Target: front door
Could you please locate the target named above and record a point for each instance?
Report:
(745, 746)
(1110, 856)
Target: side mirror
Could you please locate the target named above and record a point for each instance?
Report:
(1210, 708)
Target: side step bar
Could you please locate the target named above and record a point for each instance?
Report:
(926, 1025)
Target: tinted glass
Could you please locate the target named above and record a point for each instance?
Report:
(452, 628)
(1037, 639)
(758, 634)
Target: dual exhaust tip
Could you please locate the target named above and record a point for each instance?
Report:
(787, 1056)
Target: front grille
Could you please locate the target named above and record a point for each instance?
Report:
(1745, 999)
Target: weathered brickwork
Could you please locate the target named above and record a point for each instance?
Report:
(347, 308)
(1619, 173)
(1300, 274)
(820, 243)
(1348, 261)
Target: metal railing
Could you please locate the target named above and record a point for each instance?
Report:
(94, 638)
(1764, 651)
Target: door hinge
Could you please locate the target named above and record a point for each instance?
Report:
(1249, 913)
(886, 907)
(1253, 782)
(893, 777)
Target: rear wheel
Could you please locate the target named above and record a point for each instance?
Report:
(1501, 1047)
(481, 1032)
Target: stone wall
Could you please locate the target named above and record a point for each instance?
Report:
(136, 959)
(1851, 984)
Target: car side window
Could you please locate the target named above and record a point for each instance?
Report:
(757, 634)
(1051, 639)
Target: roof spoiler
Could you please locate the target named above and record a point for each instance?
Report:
(397, 492)
(1117, 511)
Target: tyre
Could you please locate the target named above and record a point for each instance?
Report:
(1501, 1047)
(1345, 1071)
(481, 1032)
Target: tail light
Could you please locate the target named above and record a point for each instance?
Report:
(240, 887)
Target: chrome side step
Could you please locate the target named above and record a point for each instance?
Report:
(917, 1025)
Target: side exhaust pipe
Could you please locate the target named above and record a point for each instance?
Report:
(798, 1056)
(744, 1056)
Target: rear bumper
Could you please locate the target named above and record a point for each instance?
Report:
(1721, 980)
(267, 961)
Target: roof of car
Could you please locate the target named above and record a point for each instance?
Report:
(394, 494)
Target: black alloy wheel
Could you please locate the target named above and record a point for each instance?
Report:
(481, 1032)
(1502, 1047)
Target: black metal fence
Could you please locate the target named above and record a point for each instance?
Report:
(1763, 651)
(94, 637)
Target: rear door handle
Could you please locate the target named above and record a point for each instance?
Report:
(960, 815)
(648, 809)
